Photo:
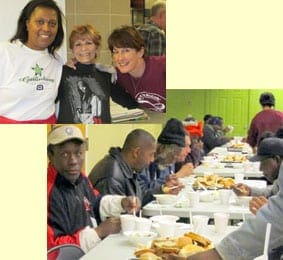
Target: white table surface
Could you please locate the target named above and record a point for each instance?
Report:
(203, 208)
(117, 246)
(227, 172)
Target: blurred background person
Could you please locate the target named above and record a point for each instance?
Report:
(153, 32)
(211, 137)
(268, 119)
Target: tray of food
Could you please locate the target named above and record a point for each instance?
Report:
(237, 147)
(213, 181)
(188, 244)
(234, 159)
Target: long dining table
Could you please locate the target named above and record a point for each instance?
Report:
(218, 165)
(118, 247)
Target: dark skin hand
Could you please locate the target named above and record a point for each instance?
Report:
(131, 204)
(256, 203)
(111, 225)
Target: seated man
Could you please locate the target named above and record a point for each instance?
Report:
(270, 155)
(211, 137)
(75, 214)
(117, 172)
(173, 145)
(247, 242)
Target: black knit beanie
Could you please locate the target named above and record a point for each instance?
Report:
(173, 133)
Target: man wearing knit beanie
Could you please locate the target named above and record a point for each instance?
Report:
(159, 177)
(173, 133)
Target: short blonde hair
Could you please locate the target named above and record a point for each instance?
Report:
(81, 30)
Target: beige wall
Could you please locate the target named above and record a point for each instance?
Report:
(105, 15)
(102, 137)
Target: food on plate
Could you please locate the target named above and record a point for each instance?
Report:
(149, 256)
(165, 245)
(213, 181)
(237, 145)
(226, 182)
(200, 240)
(235, 158)
(188, 244)
(183, 241)
(190, 250)
(143, 250)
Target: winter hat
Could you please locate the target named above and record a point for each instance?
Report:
(173, 133)
(215, 120)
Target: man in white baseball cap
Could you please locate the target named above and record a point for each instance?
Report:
(75, 214)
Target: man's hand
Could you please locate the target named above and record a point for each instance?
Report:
(131, 204)
(111, 225)
(256, 203)
(186, 170)
(242, 189)
(172, 185)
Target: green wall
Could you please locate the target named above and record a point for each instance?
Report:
(237, 107)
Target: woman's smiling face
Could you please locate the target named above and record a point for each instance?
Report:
(84, 50)
(42, 28)
(127, 59)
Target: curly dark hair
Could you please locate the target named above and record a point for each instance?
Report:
(22, 33)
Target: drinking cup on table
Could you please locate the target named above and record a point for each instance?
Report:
(225, 196)
(128, 222)
(166, 228)
(239, 177)
(221, 222)
(143, 224)
(193, 197)
(199, 223)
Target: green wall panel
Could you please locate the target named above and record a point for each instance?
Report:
(237, 107)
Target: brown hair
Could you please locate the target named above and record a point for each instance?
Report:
(126, 37)
(82, 30)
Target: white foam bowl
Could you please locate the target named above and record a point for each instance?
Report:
(207, 196)
(164, 218)
(137, 238)
(243, 200)
(165, 199)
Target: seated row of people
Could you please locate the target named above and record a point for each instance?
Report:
(76, 215)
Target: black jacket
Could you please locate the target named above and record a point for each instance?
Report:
(70, 206)
(112, 175)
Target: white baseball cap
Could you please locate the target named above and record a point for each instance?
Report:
(64, 133)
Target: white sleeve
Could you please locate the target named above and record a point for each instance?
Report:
(88, 238)
(110, 205)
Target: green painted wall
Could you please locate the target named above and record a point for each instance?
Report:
(237, 107)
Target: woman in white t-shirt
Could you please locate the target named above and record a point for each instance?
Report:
(30, 68)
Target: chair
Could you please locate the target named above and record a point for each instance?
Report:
(65, 252)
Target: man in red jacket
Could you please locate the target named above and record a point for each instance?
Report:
(75, 214)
